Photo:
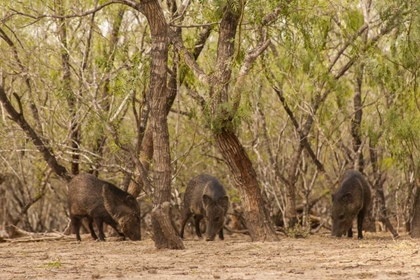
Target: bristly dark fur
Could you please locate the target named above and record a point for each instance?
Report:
(205, 197)
(102, 202)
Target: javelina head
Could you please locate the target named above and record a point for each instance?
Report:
(215, 215)
(342, 214)
(125, 211)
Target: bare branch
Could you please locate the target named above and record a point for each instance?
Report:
(244, 71)
(188, 58)
(274, 15)
(39, 144)
(130, 3)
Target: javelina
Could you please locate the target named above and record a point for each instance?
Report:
(99, 202)
(205, 197)
(351, 199)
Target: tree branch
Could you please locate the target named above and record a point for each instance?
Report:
(46, 153)
(244, 71)
(188, 58)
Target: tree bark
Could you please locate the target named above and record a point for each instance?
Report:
(415, 222)
(356, 121)
(378, 186)
(164, 236)
(256, 215)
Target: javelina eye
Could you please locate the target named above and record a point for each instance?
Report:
(341, 217)
(216, 219)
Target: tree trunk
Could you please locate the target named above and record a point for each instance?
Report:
(415, 222)
(383, 213)
(356, 121)
(378, 186)
(109, 55)
(256, 215)
(164, 234)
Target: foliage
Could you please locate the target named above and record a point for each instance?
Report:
(311, 43)
(297, 232)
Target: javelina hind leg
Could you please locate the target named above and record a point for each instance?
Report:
(360, 218)
(350, 233)
(197, 219)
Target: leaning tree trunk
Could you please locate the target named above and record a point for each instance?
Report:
(164, 234)
(257, 218)
(256, 215)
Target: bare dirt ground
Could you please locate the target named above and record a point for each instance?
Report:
(319, 256)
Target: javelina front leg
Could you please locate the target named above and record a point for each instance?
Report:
(121, 235)
(221, 234)
(360, 218)
(99, 224)
(92, 231)
(197, 219)
(183, 223)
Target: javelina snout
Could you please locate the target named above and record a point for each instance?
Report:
(124, 210)
(205, 197)
(352, 199)
(102, 202)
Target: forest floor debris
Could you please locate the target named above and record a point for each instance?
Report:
(319, 256)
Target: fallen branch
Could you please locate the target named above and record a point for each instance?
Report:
(244, 231)
(30, 239)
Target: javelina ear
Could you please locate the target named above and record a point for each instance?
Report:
(207, 200)
(130, 200)
(108, 199)
(347, 198)
(224, 201)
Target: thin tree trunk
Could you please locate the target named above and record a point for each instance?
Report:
(378, 186)
(145, 137)
(357, 121)
(106, 88)
(68, 92)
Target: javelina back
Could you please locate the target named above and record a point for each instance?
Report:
(205, 197)
(352, 199)
(99, 202)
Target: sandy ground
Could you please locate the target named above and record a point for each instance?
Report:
(319, 256)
